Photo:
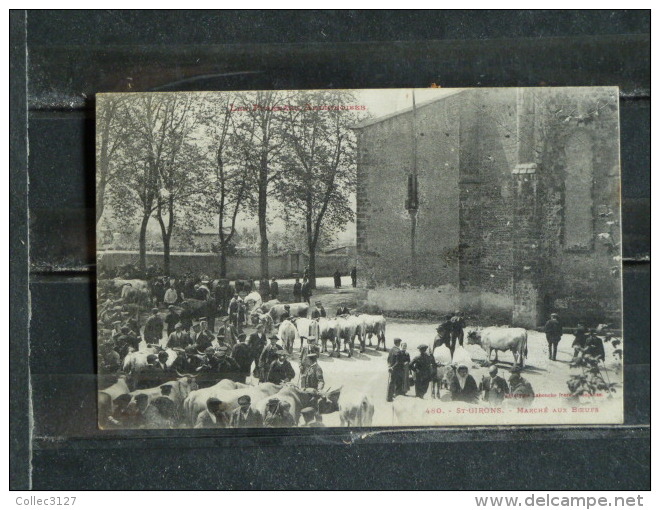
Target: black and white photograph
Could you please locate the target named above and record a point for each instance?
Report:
(359, 258)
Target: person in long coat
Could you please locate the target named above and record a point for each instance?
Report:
(580, 340)
(267, 356)
(171, 319)
(242, 354)
(274, 289)
(494, 387)
(297, 291)
(398, 362)
(153, 328)
(281, 370)
(553, 331)
(423, 367)
(256, 342)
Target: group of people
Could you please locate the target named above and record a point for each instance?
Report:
(450, 331)
(586, 341)
(462, 386)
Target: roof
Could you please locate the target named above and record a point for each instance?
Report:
(377, 120)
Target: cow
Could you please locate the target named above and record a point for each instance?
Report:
(299, 399)
(137, 360)
(501, 339)
(265, 319)
(374, 325)
(288, 333)
(120, 283)
(195, 403)
(355, 409)
(296, 310)
(106, 398)
(177, 390)
(265, 308)
(347, 329)
(253, 302)
(140, 297)
(195, 307)
(324, 329)
(306, 328)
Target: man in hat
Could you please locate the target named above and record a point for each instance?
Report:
(179, 339)
(444, 332)
(208, 374)
(522, 392)
(354, 276)
(214, 416)
(580, 340)
(494, 387)
(318, 311)
(280, 370)
(337, 277)
(153, 328)
(171, 296)
(456, 334)
(463, 387)
(245, 416)
(225, 366)
(267, 357)
(127, 341)
(311, 347)
(274, 289)
(171, 319)
(242, 354)
(256, 343)
(277, 414)
(297, 291)
(233, 310)
(306, 290)
(553, 332)
(594, 346)
(398, 361)
(312, 377)
(150, 375)
(309, 415)
(423, 367)
(204, 332)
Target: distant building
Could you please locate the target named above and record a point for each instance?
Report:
(516, 204)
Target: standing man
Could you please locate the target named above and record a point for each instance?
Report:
(553, 331)
(580, 340)
(171, 296)
(153, 329)
(423, 367)
(232, 310)
(313, 375)
(444, 333)
(594, 346)
(494, 387)
(225, 366)
(280, 370)
(297, 291)
(171, 319)
(456, 334)
(306, 290)
(274, 289)
(311, 347)
(242, 355)
(396, 369)
(245, 416)
(318, 311)
(256, 343)
(178, 339)
(354, 276)
(267, 357)
(213, 417)
(337, 279)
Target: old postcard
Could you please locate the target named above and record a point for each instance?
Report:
(356, 258)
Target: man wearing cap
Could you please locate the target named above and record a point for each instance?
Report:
(274, 289)
(312, 377)
(594, 346)
(153, 328)
(522, 392)
(280, 370)
(318, 311)
(203, 338)
(463, 387)
(256, 343)
(245, 416)
(171, 296)
(179, 339)
(127, 341)
(310, 347)
(242, 354)
(553, 331)
(423, 367)
(277, 414)
(267, 357)
(171, 319)
(225, 366)
(309, 416)
(297, 291)
(150, 375)
(494, 387)
(213, 417)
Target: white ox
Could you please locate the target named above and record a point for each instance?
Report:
(253, 302)
(118, 283)
(196, 401)
(296, 310)
(136, 361)
(288, 333)
(374, 325)
(324, 330)
(501, 339)
(178, 391)
(355, 409)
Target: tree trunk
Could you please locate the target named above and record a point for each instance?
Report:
(263, 231)
(166, 254)
(100, 199)
(312, 267)
(223, 261)
(143, 242)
